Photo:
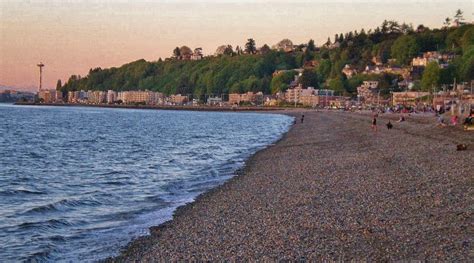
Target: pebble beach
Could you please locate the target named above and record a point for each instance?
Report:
(332, 189)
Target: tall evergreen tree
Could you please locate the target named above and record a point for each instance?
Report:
(311, 47)
(250, 47)
(328, 42)
(59, 85)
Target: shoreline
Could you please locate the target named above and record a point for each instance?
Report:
(260, 192)
(143, 243)
(160, 107)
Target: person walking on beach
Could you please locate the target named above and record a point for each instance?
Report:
(302, 118)
(374, 123)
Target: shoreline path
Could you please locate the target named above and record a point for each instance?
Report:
(331, 189)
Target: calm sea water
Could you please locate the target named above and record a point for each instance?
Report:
(80, 183)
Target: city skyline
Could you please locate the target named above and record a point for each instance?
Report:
(74, 37)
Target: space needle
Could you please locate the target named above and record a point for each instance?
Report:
(40, 65)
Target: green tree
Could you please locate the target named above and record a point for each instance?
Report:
(458, 17)
(250, 47)
(177, 53)
(228, 51)
(59, 85)
(309, 78)
(447, 22)
(311, 47)
(466, 65)
(431, 76)
(328, 42)
(265, 49)
(404, 49)
(467, 39)
(338, 85)
(324, 69)
(281, 81)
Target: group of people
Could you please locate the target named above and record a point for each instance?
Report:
(453, 121)
(388, 124)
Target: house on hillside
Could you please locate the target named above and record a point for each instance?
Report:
(349, 71)
(197, 54)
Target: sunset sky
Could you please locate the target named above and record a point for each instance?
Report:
(70, 37)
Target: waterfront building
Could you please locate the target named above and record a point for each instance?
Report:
(82, 96)
(211, 101)
(59, 96)
(96, 97)
(47, 96)
(408, 98)
(72, 96)
(299, 95)
(324, 92)
(271, 100)
(178, 99)
(309, 100)
(111, 96)
(145, 97)
(249, 97)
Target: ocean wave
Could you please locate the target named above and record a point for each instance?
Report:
(21, 191)
(62, 204)
(45, 225)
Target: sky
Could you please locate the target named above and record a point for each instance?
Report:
(72, 36)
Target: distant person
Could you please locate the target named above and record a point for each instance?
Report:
(302, 118)
(469, 120)
(401, 119)
(389, 125)
(454, 120)
(441, 121)
(374, 123)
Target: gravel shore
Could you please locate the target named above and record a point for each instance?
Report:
(332, 189)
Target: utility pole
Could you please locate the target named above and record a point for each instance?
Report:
(40, 65)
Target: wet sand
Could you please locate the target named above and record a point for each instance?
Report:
(331, 189)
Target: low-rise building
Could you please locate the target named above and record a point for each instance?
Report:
(213, 101)
(111, 96)
(144, 97)
(59, 96)
(442, 59)
(47, 96)
(96, 97)
(408, 98)
(249, 97)
(309, 96)
(178, 99)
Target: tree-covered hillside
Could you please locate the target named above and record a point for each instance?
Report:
(241, 71)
